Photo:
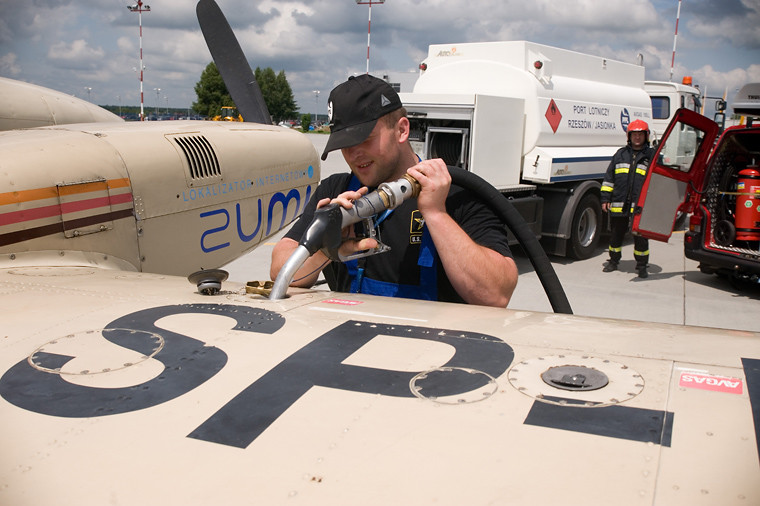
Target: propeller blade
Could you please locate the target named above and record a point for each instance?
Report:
(231, 62)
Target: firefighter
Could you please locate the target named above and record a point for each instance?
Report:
(620, 192)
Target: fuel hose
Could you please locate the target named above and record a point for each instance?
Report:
(504, 209)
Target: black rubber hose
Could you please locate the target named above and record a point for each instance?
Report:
(525, 236)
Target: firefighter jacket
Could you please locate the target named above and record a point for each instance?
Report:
(624, 179)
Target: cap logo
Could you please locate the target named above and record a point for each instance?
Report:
(353, 109)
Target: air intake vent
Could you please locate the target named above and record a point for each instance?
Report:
(201, 158)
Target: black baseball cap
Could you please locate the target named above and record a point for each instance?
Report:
(354, 108)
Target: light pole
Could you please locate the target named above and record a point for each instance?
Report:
(158, 92)
(675, 38)
(369, 21)
(88, 90)
(118, 97)
(316, 104)
(139, 8)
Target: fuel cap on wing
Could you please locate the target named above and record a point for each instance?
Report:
(208, 281)
(578, 380)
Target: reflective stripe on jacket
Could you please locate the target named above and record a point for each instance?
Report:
(624, 178)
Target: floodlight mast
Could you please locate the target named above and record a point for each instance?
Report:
(675, 38)
(139, 8)
(369, 21)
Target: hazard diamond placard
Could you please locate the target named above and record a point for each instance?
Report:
(553, 116)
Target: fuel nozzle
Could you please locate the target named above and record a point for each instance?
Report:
(386, 196)
(324, 232)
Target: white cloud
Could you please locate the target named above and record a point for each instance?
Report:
(77, 50)
(716, 83)
(9, 65)
(739, 30)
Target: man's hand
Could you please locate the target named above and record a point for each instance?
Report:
(345, 199)
(350, 244)
(435, 180)
(605, 206)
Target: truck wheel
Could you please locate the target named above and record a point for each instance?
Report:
(725, 233)
(584, 234)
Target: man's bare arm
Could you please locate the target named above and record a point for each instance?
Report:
(479, 274)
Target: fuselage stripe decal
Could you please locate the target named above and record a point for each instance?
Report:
(60, 209)
(29, 215)
(51, 192)
(56, 228)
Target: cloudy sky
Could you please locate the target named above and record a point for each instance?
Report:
(76, 45)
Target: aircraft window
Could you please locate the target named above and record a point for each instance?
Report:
(660, 107)
(681, 147)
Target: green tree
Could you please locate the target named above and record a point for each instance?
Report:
(305, 122)
(277, 94)
(211, 92)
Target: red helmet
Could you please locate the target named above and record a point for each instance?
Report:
(638, 126)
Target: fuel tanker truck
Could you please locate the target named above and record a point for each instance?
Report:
(537, 122)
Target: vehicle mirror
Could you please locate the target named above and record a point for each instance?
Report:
(720, 119)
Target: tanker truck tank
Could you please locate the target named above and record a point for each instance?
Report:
(539, 123)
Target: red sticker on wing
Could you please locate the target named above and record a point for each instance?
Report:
(713, 383)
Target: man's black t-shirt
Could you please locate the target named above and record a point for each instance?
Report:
(402, 231)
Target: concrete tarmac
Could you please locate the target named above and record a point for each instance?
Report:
(675, 291)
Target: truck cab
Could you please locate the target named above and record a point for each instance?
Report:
(718, 184)
(667, 98)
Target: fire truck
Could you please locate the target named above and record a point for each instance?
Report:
(718, 184)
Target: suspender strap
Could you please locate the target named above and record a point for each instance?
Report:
(426, 290)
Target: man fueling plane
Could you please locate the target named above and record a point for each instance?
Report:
(462, 248)
(122, 383)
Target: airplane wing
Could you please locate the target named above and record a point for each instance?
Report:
(132, 388)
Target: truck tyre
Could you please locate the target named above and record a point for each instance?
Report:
(725, 233)
(586, 228)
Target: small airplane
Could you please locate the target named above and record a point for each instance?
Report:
(123, 383)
